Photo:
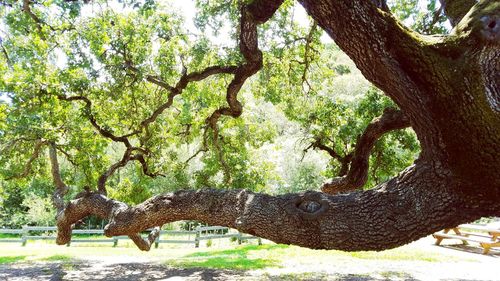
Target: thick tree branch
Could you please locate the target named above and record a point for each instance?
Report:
(420, 201)
(61, 187)
(92, 203)
(392, 119)
(252, 15)
(250, 50)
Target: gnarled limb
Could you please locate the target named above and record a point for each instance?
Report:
(392, 119)
(445, 86)
(94, 203)
(61, 187)
(252, 15)
(181, 85)
(145, 244)
(420, 201)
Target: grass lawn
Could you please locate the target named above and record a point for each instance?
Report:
(246, 257)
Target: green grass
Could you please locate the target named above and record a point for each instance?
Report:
(11, 259)
(240, 258)
(258, 257)
(247, 257)
(64, 258)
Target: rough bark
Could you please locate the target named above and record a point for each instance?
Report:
(60, 187)
(416, 203)
(357, 175)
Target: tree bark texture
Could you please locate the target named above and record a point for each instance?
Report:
(416, 203)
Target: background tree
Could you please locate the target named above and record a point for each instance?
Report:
(63, 70)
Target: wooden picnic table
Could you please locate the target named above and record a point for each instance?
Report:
(487, 237)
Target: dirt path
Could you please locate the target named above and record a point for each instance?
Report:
(471, 266)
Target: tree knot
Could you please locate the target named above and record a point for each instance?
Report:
(309, 205)
(491, 28)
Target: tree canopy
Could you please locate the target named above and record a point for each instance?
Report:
(110, 103)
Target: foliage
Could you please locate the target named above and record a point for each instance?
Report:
(108, 52)
(425, 17)
(40, 210)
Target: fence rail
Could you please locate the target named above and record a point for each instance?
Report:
(198, 234)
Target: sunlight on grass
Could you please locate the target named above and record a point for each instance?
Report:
(56, 258)
(247, 257)
(11, 259)
(240, 258)
(258, 257)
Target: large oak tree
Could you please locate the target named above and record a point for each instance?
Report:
(447, 89)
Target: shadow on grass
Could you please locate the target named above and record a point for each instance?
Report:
(339, 277)
(240, 258)
(11, 259)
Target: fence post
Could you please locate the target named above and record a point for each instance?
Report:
(115, 241)
(24, 238)
(239, 238)
(197, 239)
(259, 241)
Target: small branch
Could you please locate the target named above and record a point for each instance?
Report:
(180, 86)
(103, 178)
(203, 149)
(67, 156)
(318, 143)
(35, 18)
(27, 168)
(144, 165)
(345, 161)
(7, 58)
(307, 59)
(104, 132)
(435, 19)
(455, 10)
(392, 119)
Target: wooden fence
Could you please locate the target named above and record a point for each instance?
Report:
(198, 234)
